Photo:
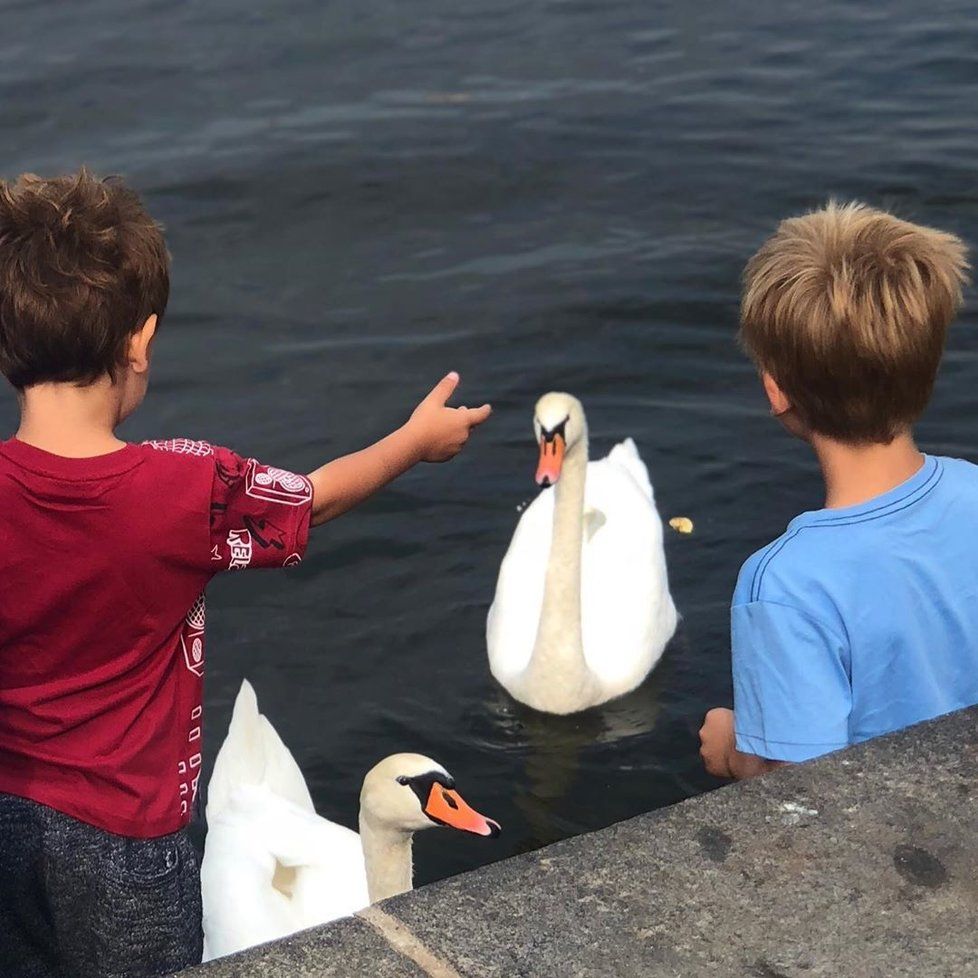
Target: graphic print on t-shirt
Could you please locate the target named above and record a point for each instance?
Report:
(276, 485)
(239, 542)
(192, 636)
(265, 533)
(188, 769)
(182, 446)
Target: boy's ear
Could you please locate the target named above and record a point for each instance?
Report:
(776, 397)
(784, 410)
(139, 344)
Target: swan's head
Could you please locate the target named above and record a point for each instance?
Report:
(409, 792)
(559, 425)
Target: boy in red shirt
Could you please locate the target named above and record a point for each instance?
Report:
(105, 551)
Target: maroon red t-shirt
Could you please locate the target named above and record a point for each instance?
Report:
(103, 565)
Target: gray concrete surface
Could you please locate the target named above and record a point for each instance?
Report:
(344, 948)
(862, 864)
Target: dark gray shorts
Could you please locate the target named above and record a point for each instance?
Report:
(77, 902)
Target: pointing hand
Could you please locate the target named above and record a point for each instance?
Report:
(441, 430)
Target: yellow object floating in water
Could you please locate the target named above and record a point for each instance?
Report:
(681, 524)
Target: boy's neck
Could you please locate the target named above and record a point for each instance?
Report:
(70, 420)
(855, 474)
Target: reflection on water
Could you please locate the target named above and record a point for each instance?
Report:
(554, 755)
(551, 751)
(557, 195)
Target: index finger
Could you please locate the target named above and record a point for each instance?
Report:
(444, 389)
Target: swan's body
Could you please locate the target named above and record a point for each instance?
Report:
(582, 610)
(272, 866)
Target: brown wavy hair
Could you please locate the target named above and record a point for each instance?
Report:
(82, 267)
(848, 308)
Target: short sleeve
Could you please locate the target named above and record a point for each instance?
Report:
(792, 695)
(259, 515)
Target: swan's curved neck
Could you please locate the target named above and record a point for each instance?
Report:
(557, 672)
(387, 858)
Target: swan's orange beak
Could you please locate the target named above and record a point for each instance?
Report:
(447, 807)
(551, 459)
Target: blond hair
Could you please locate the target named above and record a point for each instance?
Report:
(847, 308)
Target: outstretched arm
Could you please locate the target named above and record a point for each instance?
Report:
(434, 433)
(719, 749)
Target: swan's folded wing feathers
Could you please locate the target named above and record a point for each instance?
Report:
(626, 610)
(330, 879)
(282, 773)
(253, 754)
(241, 757)
(256, 832)
(294, 836)
(625, 456)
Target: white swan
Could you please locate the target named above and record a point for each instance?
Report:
(272, 866)
(582, 609)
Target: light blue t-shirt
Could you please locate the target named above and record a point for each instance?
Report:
(859, 621)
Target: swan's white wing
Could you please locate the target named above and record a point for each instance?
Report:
(625, 456)
(253, 754)
(511, 628)
(627, 614)
(271, 868)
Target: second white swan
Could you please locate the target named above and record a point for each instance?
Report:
(272, 866)
(582, 611)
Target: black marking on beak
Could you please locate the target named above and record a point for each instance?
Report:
(422, 784)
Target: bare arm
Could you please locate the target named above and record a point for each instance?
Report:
(719, 749)
(434, 433)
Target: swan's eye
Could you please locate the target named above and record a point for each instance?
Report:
(403, 779)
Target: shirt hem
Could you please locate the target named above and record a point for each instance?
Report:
(777, 750)
(300, 538)
(132, 828)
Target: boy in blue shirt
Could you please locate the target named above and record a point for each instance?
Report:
(861, 618)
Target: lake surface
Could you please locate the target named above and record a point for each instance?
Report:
(361, 196)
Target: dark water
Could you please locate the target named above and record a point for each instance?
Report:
(360, 196)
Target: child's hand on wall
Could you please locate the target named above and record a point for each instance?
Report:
(441, 431)
(718, 749)
(717, 742)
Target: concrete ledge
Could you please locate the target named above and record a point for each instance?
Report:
(864, 863)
